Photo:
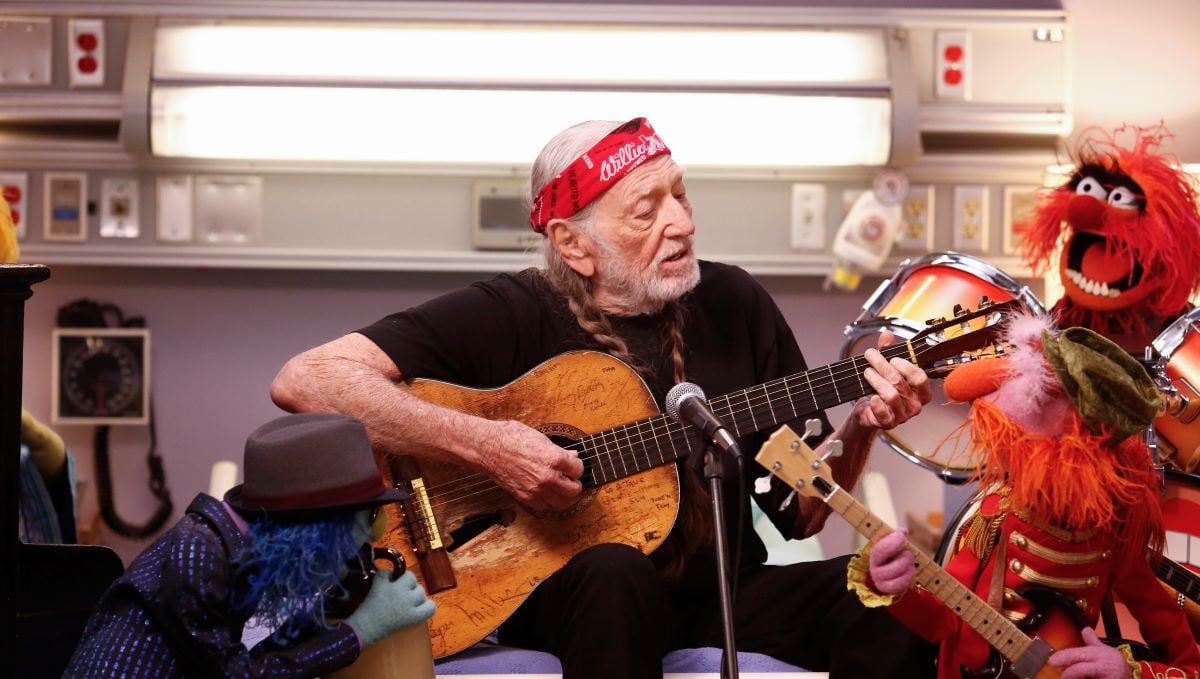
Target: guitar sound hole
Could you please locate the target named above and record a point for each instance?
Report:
(476, 524)
(564, 442)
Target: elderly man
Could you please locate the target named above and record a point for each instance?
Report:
(621, 277)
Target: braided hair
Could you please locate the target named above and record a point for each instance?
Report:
(559, 152)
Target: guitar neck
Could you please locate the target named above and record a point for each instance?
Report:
(1177, 576)
(768, 405)
(989, 623)
(638, 446)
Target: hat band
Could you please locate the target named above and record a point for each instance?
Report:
(359, 491)
(620, 152)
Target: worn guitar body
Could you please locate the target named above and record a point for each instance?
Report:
(1054, 619)
(494, 571)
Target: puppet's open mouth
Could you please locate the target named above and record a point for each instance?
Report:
(1098, 280)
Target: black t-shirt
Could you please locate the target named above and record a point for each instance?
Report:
(491, 332)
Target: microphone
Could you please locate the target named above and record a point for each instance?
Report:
(685, 402)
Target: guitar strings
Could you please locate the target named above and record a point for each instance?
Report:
(621, 438)
(819, 389)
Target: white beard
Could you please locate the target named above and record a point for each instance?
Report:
(643, 291)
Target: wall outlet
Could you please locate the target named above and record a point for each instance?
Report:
(808, 216)
(85, 52)
(970, 218)
(952, 65)
(916, 220)
(14, 186)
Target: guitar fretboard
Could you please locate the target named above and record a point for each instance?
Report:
(637, 446)
(1178, 576)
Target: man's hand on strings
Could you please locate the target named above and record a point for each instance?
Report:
(531, 467)
(901, 388)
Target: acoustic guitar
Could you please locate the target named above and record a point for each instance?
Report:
(1054, 617)
(479, 553)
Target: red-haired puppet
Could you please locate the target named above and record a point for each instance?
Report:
(1072, 506)
(1130, 232)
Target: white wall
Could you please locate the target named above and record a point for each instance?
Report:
(1136, 63)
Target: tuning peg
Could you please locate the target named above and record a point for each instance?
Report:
(960, 311)
(832, 449)
(985, 302)
(936, 321)
(812, 427)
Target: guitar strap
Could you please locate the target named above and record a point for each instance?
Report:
(996, 588)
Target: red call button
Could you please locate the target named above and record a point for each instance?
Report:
(952, 76)
(16, 215)
(86, 41)
(12, 194)
(953, 53)
(87, 64)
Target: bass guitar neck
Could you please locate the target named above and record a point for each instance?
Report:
(787, 456)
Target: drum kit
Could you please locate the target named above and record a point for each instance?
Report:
(930, 287)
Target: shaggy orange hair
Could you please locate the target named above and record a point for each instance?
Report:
(1165, 238)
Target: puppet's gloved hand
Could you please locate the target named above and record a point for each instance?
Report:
(390, 606)
(893, 567)
(1093, 659)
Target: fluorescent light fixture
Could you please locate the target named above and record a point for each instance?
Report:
(481, 126)
(516, 53)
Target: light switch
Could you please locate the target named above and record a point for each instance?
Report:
(14, 186)
(808, 216)
(970, 218)
(173, 198)
(228, 209)
(119, 208)
(65, 213)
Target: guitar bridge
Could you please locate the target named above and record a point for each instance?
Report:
(426, 538)
(422, 524)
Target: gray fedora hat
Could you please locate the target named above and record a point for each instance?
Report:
(302, 466)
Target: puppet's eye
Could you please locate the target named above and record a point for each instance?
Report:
(1090, 186)
(1123, 198)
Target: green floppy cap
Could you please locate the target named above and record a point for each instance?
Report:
(1107, 385)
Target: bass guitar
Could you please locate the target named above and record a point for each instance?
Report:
(1054, 617)
(479, 553)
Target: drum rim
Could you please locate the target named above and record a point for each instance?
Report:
(1189, 478)
(971, 264)
(1172, 336)
(950, 475)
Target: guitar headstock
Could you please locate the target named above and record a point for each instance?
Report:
(787, 456)
(968, 336)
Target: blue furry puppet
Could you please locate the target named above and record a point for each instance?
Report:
(276, 549)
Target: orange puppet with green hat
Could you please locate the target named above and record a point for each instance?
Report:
(1071, 508)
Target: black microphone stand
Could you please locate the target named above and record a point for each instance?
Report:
(714, 471)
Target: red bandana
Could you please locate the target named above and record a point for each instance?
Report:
(593, 173)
